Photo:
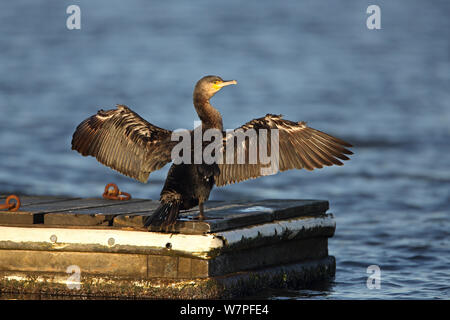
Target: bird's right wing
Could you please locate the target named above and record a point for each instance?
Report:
(298, 147)
(122, 140)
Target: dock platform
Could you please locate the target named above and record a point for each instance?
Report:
(98, 247)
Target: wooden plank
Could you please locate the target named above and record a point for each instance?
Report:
(265, 256)
(141, 266)
(236, 285)
(160, 266)
(35, 210)
(98, 215)
(285, 209)
(224, 216)
(34, 200)
(30, 200)
(100, 212)
(89, 239)
(113, 264)
(217, 213)
(66, 226)
(20, 217)
(136, 219)
(73, 205)
(75, 219)
(24, 216)
(218, 220)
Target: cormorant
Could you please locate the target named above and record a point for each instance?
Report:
(121, 139)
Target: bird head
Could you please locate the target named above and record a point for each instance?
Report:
(209, 85)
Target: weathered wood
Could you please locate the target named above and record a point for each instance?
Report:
(297, 208)
(225, 216)
(136, 219)
(20, 217)
(131, 215)
(31, 200)
(35, 209)
(205, 246)
(98, 215)
(176, 267)
(23, 216)
(220, 215)
(74, 205)
(291, 276)
(107, 240)
(265, 256)
(26, 201)
(160, 266)
(132, 265)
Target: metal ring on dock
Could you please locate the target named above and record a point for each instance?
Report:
(115, 194)
(11, 206)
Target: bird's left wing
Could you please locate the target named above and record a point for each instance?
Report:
(122, 140)
(297, 146)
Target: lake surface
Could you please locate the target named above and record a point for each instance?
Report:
(386, 91)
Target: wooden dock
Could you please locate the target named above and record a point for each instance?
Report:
(98, 247)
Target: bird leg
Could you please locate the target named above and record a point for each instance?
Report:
(201, 215)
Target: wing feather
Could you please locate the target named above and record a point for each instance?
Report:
(299, 147)
(121, 139)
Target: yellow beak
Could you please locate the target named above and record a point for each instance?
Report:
(224, 84)
(227, 83)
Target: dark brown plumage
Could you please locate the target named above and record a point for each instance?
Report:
(299, 147)
(122, 140)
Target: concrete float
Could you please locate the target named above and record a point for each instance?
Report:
(98, 247)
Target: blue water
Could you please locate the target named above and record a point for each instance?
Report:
(386, 91)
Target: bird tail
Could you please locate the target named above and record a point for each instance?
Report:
(164, 216)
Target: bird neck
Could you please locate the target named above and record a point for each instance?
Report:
(210, 116)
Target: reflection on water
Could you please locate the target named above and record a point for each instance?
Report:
(385, 91)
